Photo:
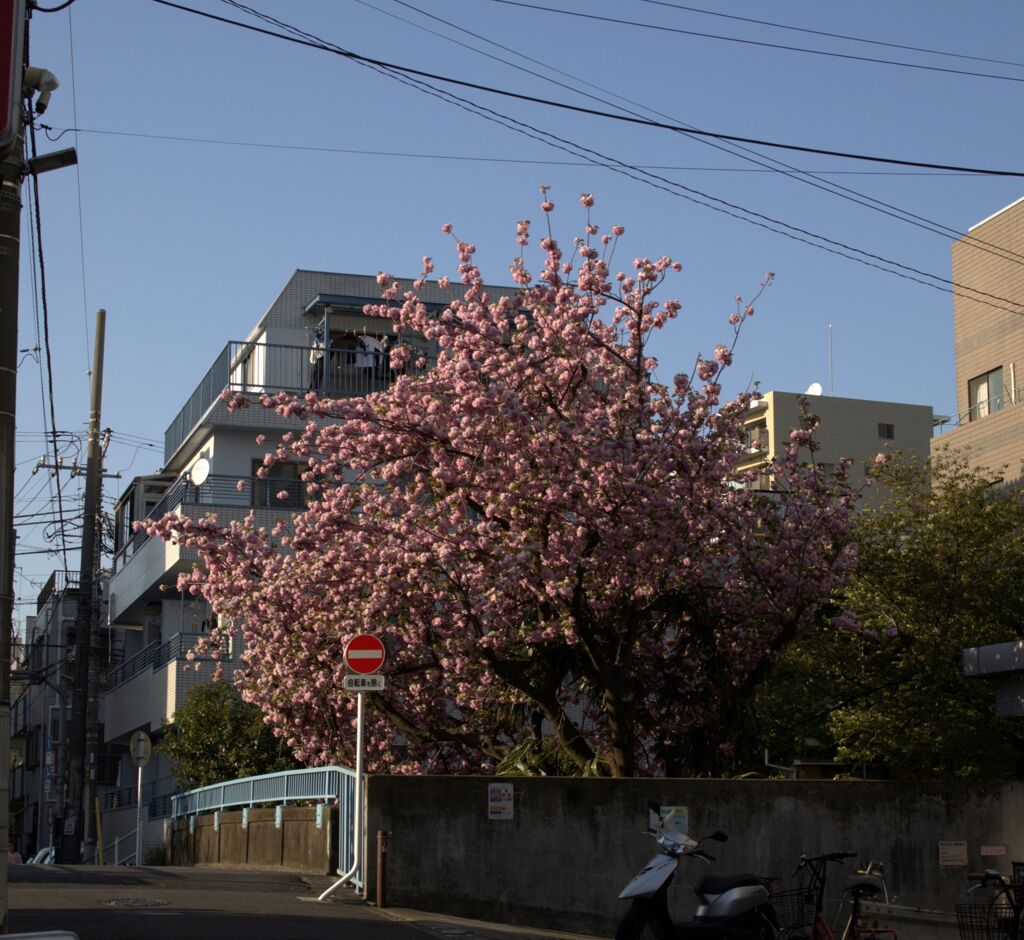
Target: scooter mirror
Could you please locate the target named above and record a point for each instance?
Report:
(717, 836)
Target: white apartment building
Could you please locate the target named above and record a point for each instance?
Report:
(313, 336)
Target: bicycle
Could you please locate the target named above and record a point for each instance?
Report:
(996, 917)
(801, 909)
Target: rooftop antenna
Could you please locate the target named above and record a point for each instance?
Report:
(831, 379)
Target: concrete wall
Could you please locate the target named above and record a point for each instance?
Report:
(572, 845)
(297, 845)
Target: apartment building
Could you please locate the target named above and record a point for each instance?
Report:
(313, 336)
(41, 696)
(988, 332)
(850, 427)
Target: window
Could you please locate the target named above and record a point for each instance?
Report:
(985, 394)
(284, 479)
(887, 432)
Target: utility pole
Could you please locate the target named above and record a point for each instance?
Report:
(12, 25)
(82, 780)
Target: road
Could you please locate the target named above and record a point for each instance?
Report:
(214, 903)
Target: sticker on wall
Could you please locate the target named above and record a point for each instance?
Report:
(991, 851)
(680, 819)
(499, 801)
(953, 854)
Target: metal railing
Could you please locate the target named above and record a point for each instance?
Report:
(219, 490)
(157, 794)
(58, 582)
(317, 784)
(981, 410)
(266, 368)
(157, 654)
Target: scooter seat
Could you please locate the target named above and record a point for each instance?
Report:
(719, 884)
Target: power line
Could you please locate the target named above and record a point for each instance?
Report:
(691, 194)
(563, 106)
(744, 153)
(78, 188)
(819, 32)
(46, 322)
(512, 161)
(761, 43)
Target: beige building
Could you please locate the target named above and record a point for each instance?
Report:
(850, 427)
(988, 332)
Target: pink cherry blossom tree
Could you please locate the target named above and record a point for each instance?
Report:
(557, 548)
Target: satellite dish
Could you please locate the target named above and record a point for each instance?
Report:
(199, 472)
(813, 389)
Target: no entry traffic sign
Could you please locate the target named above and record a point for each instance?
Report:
(364, 654)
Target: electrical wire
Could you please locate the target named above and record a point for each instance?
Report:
(819, 32)
(56, 9)
(511, 161)
(78, 189)
(563, 106)
(678, 189)
(40, 260)
(744, 153)
(761, 43)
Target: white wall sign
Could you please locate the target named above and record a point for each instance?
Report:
(993, 850)
(953, 854)
(499, 801)
(680, 822)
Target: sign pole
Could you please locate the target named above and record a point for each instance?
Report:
(140, 748)
(138, 818)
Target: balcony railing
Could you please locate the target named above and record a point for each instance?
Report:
(981, 410)
(154, 656)
(156, 793)
(58, 582)
(266, 368)
(219, 491)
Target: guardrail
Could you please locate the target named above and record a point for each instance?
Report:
(314, 784)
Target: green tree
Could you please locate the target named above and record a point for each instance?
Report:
(941, 568)
(215, 736)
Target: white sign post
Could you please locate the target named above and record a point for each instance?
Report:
(364, 654)
(141, 749)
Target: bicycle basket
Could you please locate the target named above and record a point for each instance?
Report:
(794, 908)
(987, 920)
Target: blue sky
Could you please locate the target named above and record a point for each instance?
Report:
(186, 243)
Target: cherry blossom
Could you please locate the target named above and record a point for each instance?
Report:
(551, 542)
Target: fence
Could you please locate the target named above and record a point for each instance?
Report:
(318, 785)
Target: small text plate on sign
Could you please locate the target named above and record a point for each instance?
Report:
(363, 683)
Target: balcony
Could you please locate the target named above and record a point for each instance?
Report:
(150, 686)
(980, 410)
(218, 493)
(267, 368)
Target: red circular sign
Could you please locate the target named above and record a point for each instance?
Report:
(364, 654)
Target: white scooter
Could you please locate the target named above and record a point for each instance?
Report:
(730, 906)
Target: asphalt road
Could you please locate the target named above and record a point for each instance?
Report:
(214, 903)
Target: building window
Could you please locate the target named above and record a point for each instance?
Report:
(887, 432)
(985, 394)
(283, 490)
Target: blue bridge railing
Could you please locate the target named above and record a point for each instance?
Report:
(327, 784)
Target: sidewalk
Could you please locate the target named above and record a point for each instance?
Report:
(214, 903)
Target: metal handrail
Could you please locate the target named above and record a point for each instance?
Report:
(990, 406)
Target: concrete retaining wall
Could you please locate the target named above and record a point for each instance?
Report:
(297, 844)
(571, 845)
